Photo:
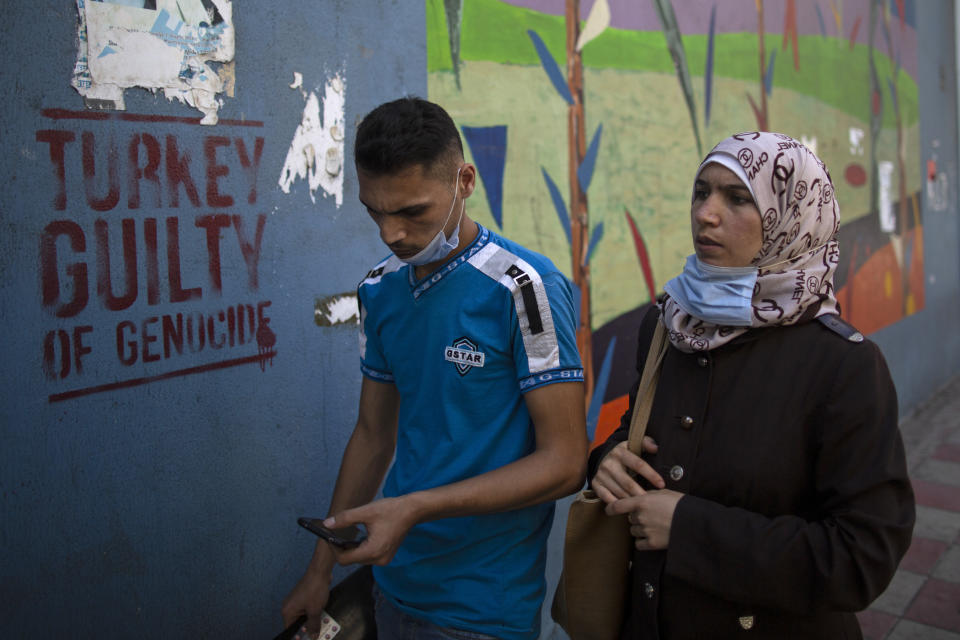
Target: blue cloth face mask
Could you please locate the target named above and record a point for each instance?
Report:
(440, 246)
(720, 295)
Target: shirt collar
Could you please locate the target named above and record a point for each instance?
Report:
(424, 284)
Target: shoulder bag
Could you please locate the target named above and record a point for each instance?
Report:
(591, 596)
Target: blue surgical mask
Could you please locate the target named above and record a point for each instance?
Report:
(440, 246)
(720, 295)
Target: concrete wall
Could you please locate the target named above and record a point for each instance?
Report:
(138, 505)
(151, 489)
(923, 350)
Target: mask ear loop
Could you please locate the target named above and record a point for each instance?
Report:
(463, 205)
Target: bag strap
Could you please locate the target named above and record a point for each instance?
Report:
(648, 388)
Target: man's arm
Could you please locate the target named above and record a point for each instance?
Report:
(365, 461)
(371, 447)
(555, 468)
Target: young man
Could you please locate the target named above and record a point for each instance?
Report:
(472, 385)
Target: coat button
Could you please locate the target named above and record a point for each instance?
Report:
(648, 590)
(703, 361)
(746, 622)
(686, 422)
(676, 473)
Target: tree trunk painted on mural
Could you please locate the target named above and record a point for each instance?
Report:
(876, 115)
(901, 165)
(763, 121)
(579, 220)
(875, 127)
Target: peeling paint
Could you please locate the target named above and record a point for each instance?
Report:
(888, 222)
(856, 141)
(938, 192)
(168, 48)
(342, 308)
(938, 188)
(316, 151)
(228, 76)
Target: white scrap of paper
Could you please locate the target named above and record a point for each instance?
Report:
(169, 48)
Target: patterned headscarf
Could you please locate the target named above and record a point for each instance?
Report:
(799, 254)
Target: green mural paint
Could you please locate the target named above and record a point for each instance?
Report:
(649, 152)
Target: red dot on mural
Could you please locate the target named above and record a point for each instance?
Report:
(876, 104)
(855, 175)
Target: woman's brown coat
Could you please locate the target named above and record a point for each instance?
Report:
(797, 508)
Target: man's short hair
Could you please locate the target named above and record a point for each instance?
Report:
(403, 133)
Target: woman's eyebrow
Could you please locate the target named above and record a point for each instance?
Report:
(725, 186)
(739, 187)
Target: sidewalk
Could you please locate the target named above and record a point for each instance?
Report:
(923, 600)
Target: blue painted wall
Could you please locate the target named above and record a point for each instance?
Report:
(923, 350)
(168, 509)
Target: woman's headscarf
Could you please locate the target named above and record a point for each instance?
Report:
(799, 254)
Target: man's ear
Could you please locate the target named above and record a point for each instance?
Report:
(468, 179)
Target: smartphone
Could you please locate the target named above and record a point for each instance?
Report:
(346, 538)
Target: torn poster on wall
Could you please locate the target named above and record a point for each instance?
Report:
(316, 151)
(184, 47)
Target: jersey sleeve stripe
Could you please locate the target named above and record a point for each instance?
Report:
(379, 376)
(532, 306)
(549, 377)
(391, 264)
(528, 295)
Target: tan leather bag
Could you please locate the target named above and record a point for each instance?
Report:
(591, 597)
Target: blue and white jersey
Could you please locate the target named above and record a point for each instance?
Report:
(462, 346)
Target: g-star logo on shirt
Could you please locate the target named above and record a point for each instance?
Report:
(463, 353)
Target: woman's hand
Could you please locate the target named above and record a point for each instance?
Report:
(650, 516)
(614, 479)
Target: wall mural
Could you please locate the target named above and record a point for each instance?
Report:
(587, 119)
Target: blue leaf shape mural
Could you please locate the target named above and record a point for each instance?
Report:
(600, 390)
(708, 69)
(550, 66)
(558, 204)
(768, 80)
(489, 148)
(823, 26)
(585, 170)
(595, 238)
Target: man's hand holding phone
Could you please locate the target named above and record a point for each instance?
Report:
(345, 538)
(387, 522)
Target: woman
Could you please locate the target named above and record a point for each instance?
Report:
(777, 501)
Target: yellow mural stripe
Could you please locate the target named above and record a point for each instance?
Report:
(837, 17)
